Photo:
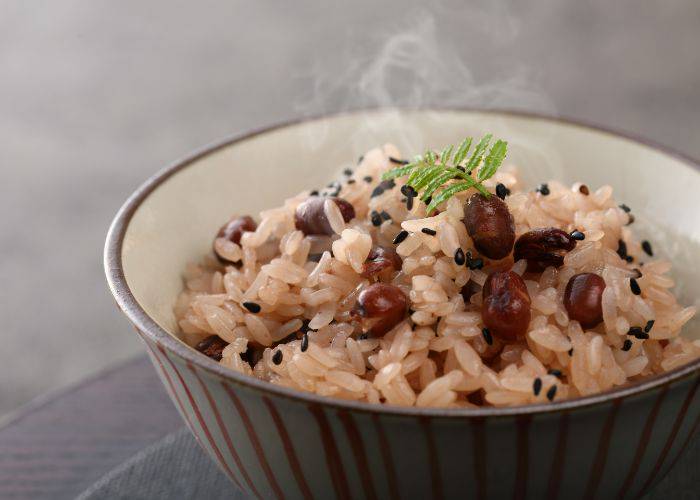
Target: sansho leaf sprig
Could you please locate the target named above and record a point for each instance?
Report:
(431, 172)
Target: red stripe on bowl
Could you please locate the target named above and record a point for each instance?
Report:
(254, 441)
(335, 466)
(358, 451)
(602, 454)
(385, 449)
(672, 437)
(288, 449)
(643, 442)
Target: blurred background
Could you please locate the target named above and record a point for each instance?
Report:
(95, 96)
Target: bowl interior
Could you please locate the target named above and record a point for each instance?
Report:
(176, 222)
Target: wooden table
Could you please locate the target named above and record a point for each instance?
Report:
(59, 445)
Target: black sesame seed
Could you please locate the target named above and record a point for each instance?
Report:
(378, 191)
(359, 160)
(629, 259)
(622, 249)
(376, 218)
(304, 342)
(400, 237)
(537, 386)
(487, 336)
(460, 259)
(631, 219)
(543, 189)
(252, 307)
(398, 161)
(427, 230)
(351, 181)
(501, 191)
(635, 330)
(407, 191)
(332, 184)
(627, 345)
(583, 189)
(634, 286)
(555, 372)
(552, 392)
(649, 325)
(409, 203)
(385, 215)
(314, 192)
(625, 208)
(428, 200)
(348, 172)
(367, 178)
(474, 263)
(277, 357)
(577, 235)
(646, 246)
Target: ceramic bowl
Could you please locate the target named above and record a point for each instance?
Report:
(277, 442)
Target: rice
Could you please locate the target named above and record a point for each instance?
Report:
(278, 284)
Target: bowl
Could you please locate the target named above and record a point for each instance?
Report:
(273, 441)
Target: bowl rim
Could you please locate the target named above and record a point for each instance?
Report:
(126, 301)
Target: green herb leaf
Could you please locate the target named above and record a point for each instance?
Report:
(493, 160)
(427, 177)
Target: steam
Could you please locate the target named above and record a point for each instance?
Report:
(417, 66)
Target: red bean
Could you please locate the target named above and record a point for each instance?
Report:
(382, 306)
(490, 225)
(543, 248)
(505, 306)
(310, 217)
(583, 298)
(379, 260)
(212, 346)
(233, 230)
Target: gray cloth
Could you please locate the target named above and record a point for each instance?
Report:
(177, 468)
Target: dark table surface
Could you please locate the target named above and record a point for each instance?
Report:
(60, 445)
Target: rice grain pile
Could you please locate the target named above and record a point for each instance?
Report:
(285, 311)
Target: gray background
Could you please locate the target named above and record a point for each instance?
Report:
(97, 95)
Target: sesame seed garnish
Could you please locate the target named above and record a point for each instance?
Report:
(555, 372)
(428, 200)
(408, 191)
(359, 160)
(400, 237)
(625, 208)
(252, 307)
(277, 357)
(629, 259)
(649, 325)
(637, 332)
(487, 336)
(348, 172)
(622, 249)
(552, 392)
(314, 192)
(474, 263)
(627, 345)
(409, 203)
(583, 189)
(351, 181)
(537, 386)
(304, 342)
(646, 246)
(398, 161)
(385, 215)
(631, 219)
(427, 230)
(634, 286)
(460, 259)
(543, 189)
(367, 178)
(502, 191)
(376, 218)
(577, 235)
